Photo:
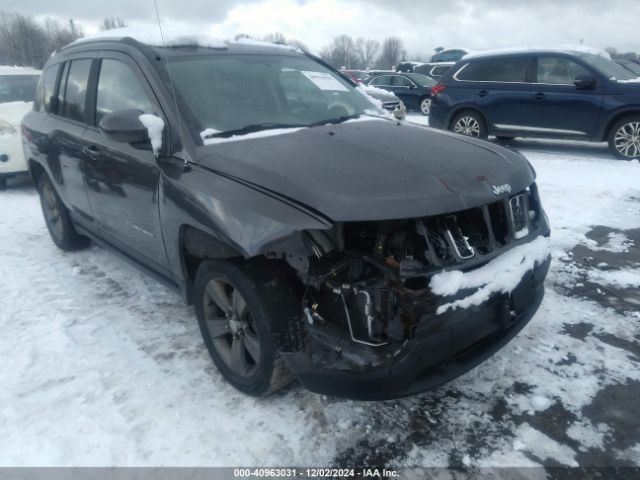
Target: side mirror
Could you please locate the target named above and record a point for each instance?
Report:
(124, 126)
(585, 82)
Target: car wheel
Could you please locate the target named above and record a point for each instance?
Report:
(239, 306)
(624, 138)
(57, 219)
(470, 124)
(425, 106)
(3, 183)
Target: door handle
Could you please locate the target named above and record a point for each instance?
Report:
(539, 95)
(483, 93)
(91, 152)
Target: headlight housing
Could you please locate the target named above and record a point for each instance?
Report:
(6, 128)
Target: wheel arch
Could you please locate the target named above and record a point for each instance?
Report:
(615, 118)
(464, 108)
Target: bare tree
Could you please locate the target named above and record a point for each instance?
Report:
(392, 52)
(366, 50)
(110, 23)
(275, 37)
(341, 52)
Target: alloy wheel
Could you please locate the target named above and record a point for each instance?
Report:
(425, 106)
(468, 126)
(51, 210)
(627, 140)
(231, 327)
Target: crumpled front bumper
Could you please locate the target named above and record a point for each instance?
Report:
(445, 346)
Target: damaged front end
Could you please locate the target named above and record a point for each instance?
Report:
(377, 329)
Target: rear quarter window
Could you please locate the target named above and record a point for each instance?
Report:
(508, 70)
(47, 90)
(472, 72)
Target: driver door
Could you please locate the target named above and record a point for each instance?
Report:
(123, 180)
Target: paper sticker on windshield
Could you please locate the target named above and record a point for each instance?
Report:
(324, 81)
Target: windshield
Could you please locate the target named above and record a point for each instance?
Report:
(18, 88)
(421, 79)
(233, 94)
(608, 68)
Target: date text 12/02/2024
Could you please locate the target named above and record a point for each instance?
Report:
(315, 473)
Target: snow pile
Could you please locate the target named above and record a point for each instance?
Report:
(539, 403)
(616, 278)
(500, 275)
(155, 127)
(541, 48)
(247, 136)
(171, 36)
(11, 70)
(378, 103)
(616, 243)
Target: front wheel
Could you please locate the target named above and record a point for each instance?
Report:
(425, 106)
(470, 124)
(242, 306)
(57, 219)
(624, 138)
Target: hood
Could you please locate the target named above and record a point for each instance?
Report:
(13, 112)
(373, 170)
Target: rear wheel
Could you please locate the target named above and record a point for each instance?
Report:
(57, 219)
(471, 124)
(624, 138)
(425, 106)
(241, 308)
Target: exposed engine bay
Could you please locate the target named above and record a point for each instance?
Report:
(367, 283)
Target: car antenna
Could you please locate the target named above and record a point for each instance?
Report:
(173, 88)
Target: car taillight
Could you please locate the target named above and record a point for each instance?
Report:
(436, 89)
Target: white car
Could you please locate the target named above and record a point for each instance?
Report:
(17, 91)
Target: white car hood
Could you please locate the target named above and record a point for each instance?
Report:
(13, 112)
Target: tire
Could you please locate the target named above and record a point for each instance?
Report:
(425, 106)
(247, 312)
(57, 219)
(471, 124)
(3, 183)
(502, 138)
(624, 138)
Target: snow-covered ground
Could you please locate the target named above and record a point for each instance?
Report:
(103, 366)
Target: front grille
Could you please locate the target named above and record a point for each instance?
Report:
(479, 231)
(391, 106)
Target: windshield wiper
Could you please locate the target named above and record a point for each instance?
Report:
(254, 127)
(341, 119)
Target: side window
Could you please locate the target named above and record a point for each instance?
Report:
(400, 81)
(558, 71)
(75, 92)
(119, 89)
(472, 72)
(384, 80)
(507, 70)
(47, 101)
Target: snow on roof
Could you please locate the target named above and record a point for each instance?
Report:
(9, 70)
(174, 36)
(542, 48)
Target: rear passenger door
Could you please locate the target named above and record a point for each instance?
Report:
(560, 108)
(123, 179)
(505, 94)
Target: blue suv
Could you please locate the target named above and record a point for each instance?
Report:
(566, 94)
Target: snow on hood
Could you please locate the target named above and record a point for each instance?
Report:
(13, 112)
(500, 275)
(247, 136)
(9, 70)
(366, 90)
(543, 48)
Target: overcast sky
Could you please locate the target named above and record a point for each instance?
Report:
(422, 24)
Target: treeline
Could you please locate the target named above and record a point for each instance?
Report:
(27, 42)
(361, 53)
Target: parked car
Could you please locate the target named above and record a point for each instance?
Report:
(630, 65)
(407, 67)
(316, 238)
(358, 76)
(387, 100)
(414, 89)
(434, 70)
(555, 93)
(450, 55)
(17, 90)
